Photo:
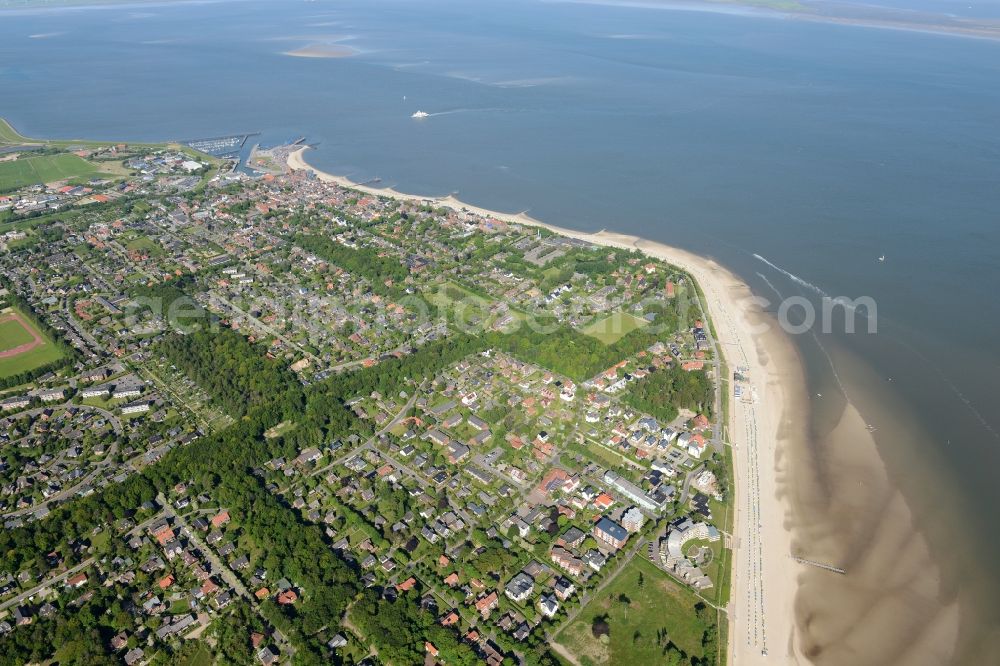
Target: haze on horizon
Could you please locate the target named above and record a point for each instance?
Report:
(967, 9)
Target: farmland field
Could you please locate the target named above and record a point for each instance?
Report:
(22, 346)
(43, 169)
(613, 327)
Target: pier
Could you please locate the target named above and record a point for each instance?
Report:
(820, 565)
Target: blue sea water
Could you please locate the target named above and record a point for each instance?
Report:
(815, 146)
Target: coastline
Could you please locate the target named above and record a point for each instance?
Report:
(761, 610)
(923, 385)
(831, 12)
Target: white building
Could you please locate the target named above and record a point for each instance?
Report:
(633, 520)
(548, 605)
(127, 392)
(19, 402)
(53, 395)
(136, 407)
(672, 550)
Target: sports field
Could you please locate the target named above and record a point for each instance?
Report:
(43, 169)
(13, 334)
(22, 346)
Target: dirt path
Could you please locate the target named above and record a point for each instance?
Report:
(564, 653)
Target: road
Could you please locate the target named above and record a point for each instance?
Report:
(480, 460)
(423, 478)
(41, 587)
(347, 365)
(752, 429)
(96, 349)
(269, 329)
(55, 580)
(747, 602)
(218, 567)
(688, 478)
(396, 420)
(98, 467)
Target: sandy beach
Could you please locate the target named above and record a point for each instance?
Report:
(791, 497)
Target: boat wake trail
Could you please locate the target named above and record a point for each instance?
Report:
(791, 276)
(449, 112)
(769, 284)
(978, 415)
(867, 312)
(829, 359)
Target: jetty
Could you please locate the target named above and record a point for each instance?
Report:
(820, 565)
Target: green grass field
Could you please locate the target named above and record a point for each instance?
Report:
(599, 454)
(460, 304)
(10, 136)
(639, 605)
(43, 169)
(13, 334)
(200, 657)
(281, 429)
(451, 293)
(147, 245)
(613, 327)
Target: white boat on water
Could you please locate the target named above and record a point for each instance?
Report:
(420, 114)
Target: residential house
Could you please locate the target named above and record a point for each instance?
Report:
(487, 603)
(564, 588)
(520, 587)
(548, 605)
(610, 533)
